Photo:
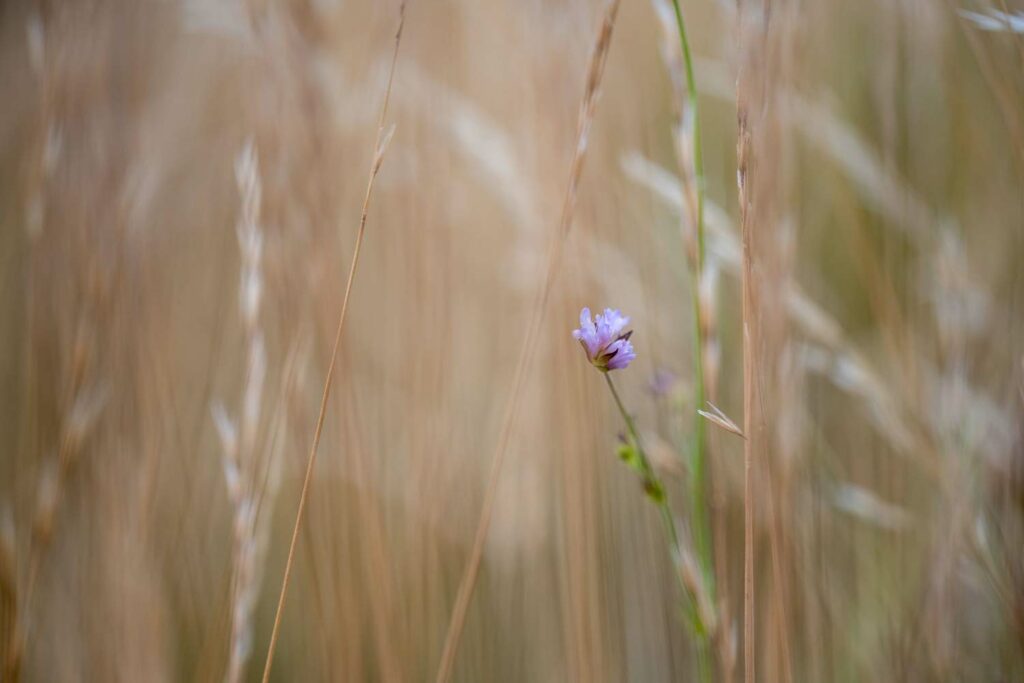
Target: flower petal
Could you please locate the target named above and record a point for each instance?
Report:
(587, 334)
(623, 354)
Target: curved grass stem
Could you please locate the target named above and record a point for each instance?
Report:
(656, 492)
(700, 524)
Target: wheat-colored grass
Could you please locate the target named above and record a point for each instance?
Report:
(588, 106)
(380, 144)
(883, 187)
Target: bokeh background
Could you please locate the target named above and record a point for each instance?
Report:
(180, 189)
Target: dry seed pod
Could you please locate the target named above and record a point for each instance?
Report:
(720, 419)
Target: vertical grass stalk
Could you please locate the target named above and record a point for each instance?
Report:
(379, 147)
(743, 163)
(585, 120)
(700, 524)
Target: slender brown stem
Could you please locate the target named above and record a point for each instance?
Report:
(748, 516)
(379, 146)
(743, 158)
(586, 118)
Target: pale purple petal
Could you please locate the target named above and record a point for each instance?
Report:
(624, 354)
(587, 333)
(585, 322)
(610, 325)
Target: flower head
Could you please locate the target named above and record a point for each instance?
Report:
(607, 346)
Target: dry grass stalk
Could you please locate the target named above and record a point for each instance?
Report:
(239, 441)
(83, 397)
(827, 351)
(746, 99)
(761, 176)
(886, 575)
(379, 147)
(588, 106)
(251, 481)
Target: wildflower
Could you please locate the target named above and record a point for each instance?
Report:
(607, 346)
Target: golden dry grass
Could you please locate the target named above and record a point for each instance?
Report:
(146, 145)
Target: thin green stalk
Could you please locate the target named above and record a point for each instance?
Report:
(698, 156)
(656, 492)
(698, 461)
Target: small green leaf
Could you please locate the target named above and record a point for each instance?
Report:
(630, 455)
(654, 490)
(627, 453)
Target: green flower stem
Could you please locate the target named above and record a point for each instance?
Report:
(656, 492)
(698, 477)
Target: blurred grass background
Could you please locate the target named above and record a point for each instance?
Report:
(180, 184)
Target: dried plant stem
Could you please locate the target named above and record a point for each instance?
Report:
(743, 154)
(748, 507)
(588, 107)
(84, 411)
(379, 146)
(239, 435)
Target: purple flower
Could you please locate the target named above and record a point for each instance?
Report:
(607, 346)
